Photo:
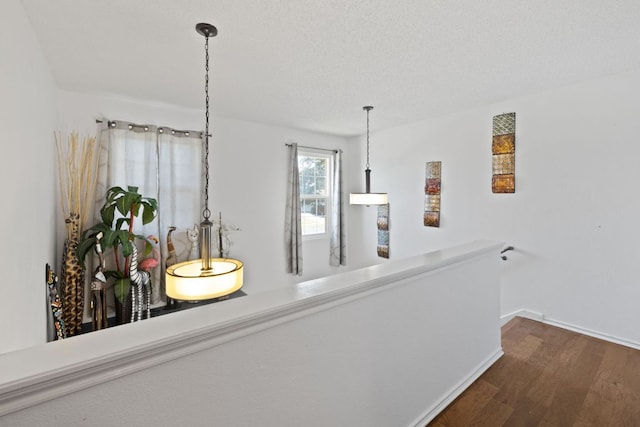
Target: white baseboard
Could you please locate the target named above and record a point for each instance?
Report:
(544, 319)
(431, 413)
(527, 314)
(599, 335)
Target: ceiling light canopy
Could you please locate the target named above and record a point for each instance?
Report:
(368, 198)
(207, 277)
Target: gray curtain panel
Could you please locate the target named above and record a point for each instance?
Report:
(293, 223)
(338, 243)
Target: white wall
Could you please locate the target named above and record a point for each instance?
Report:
(573, 219)
(27, 117)
(388, 345)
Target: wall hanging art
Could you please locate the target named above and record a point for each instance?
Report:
(504, 153)
(383, 231)
(432, 194)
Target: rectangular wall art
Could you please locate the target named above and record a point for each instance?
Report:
(432, 194)
(504, 153)
(383, 231)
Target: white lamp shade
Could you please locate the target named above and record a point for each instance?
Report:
(186, 281)
(368, 198)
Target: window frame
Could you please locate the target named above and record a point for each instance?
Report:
(317, 153)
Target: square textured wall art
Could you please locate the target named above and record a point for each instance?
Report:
(432, 194)
(504, 153)
(383, 231)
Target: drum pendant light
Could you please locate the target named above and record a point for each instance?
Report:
(368, 198)
(206, 277)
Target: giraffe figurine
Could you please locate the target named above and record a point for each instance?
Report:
(72, 278)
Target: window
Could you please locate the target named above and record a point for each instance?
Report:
(315, 201)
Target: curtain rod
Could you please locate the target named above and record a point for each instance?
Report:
(112, 123)
(333, 150)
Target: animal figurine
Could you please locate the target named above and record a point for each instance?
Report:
(72, 278)
(173, 257)
(141, 278)
(192, 235)
(98, 290)
(56, 304)
(138, 280)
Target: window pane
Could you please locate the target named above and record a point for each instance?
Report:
(314, 182)
(313, 219)
(307, 185)
(320, 186)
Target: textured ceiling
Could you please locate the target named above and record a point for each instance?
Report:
(313, 64)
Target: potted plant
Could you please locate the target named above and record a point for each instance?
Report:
(117, 215)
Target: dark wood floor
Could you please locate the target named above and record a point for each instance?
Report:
(551, 377)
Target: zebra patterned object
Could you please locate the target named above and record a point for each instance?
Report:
(139, 279)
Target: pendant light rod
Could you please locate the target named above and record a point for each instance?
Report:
(368, 198)
(206, 30)
(367, 109)
(367, 171)
(206, 278)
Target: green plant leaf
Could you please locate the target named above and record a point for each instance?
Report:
(84, 246)
(87, 240)
(107, 213)
(148, 213)
(125, 243)
(148, 247)
(121, 288)
(111, 194)
(120, 221)
(132, 189)
(122, 206)
(135, 208)
(114, 274)
(110, 238)
(153, 203)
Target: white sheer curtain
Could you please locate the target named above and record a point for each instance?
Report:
(181, 195)
(293, 223)
(338, 241)
(164, 164)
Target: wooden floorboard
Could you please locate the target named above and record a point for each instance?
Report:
(551, 377)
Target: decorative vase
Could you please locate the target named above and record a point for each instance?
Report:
(123, 310)
(72, 278)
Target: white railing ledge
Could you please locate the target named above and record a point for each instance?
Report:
(40, 373)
